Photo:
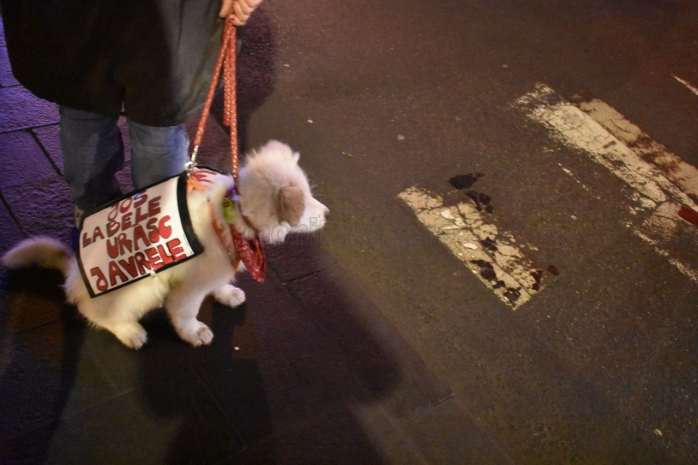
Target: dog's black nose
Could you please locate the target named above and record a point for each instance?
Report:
(327, 214)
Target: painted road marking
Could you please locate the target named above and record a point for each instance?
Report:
(490, 253)
(690, 87)
(665, 192)
(683, 175)
(584, 186)
(575, 128)
(666, 186)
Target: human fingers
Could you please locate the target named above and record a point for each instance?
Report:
(226, 8)
(239, 12)
(243, 9)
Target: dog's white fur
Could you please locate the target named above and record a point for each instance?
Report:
(270, 179)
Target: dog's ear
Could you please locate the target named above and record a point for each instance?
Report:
(290, 205)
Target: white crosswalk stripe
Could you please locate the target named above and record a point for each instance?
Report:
(687, 84)
(666, 185)
(493, 255)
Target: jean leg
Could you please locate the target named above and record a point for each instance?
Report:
(157, 153)
(93, 152)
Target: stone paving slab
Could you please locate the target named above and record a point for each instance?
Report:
(7, 79)
(299, 256)
(170, 421)
(57, 365)
(165, 354)
(42, 208)
(20, 109)
(9, 230)
(23, 161)
(342, 435)
(32, 298)
(302, 371)
(447, 431)
(48, 375)
(390, 371)
(50, 140)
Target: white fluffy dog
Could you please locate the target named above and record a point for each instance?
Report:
(276, 199)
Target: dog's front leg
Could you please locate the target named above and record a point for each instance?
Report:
(229, 295)
(183, 306)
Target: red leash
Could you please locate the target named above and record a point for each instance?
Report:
(249, 251)
(226, 63)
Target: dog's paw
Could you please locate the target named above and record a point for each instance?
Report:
(198, 334)
(131, 334)
(229, 295)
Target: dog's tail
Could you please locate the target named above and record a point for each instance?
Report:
(40, 251)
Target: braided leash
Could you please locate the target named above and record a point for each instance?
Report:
(226, 66)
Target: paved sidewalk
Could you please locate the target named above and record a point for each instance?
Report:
(307, 371)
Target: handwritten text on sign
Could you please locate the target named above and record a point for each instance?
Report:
(125, 241)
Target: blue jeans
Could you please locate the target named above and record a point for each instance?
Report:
(93, 153)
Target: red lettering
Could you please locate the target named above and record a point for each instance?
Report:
(130, 266)
(124, 243)
(142, 264)
(126, 221)
(113, 247)
(125, 205)
(101, 280)
(154, 206)
(163, 228)
(86, 240)
(175, 247)
(153, 228)
(97, 234)
(139, 199)
(112, 228)
(164, 254)
(140, 217)
(154, 258)
(140, 235)
(112, 213)
(115, 272)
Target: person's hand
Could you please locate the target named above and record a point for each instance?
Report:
(239, 9)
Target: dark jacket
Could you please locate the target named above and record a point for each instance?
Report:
(156, 57)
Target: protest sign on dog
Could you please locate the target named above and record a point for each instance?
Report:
(133, 238)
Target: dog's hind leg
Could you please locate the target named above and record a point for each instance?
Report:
(183, 305)
(129, 332)
(229, 295)
(123, 325)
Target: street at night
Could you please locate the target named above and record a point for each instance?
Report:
(509, 273)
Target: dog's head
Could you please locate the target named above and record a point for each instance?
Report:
(275, 195)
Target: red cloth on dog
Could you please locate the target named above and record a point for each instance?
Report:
(248, 251)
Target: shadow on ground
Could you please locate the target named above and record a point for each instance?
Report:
(281, 382)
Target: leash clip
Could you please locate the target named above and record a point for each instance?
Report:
(191, 165)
